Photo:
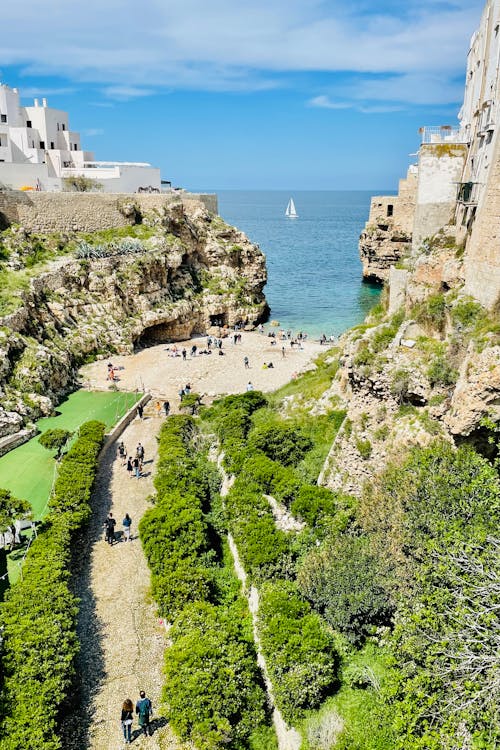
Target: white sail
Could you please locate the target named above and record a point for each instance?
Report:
(290, 210)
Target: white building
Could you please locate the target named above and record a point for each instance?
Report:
(38, 150)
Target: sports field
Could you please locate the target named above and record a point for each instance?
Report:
(28, 471)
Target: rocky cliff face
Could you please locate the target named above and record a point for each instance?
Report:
(430, 369)
(185, 272)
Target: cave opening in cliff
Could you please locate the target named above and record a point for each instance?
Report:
(220, 319)
(164, 333)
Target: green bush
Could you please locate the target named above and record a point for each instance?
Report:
(213, 688)
(280, 442)
(364, 448)
(300, 651)
(467, 312)
(38, 616)
(440, 372)
(55, 440)
(432, 311)
(313, 503)
(343, 581)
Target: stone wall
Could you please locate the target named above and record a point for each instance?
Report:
(87, 212)
(482, 256)
(440, 170)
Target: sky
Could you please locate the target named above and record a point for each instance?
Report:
(268, 94)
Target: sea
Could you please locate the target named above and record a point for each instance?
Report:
(314, 271)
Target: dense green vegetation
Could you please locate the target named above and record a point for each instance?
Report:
(213, 692)
(397, 593)
(38, 616)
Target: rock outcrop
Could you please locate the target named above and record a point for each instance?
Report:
(188, 272)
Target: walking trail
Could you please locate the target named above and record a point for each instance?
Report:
(123, 641)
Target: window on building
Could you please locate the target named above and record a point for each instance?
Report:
(3, 118)
(32, 144)
(58, 126)
(28, 124)
(52, 145)
(75, 147)
(42, 144)
(63, 126)
(390, 210)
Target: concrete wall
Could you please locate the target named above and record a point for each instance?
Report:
(440, 169)
(85, 212)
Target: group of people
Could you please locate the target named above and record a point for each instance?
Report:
(144, 712)
(110, 525)
(135, 463)
(112, 372)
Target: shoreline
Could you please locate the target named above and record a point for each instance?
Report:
(156, 370)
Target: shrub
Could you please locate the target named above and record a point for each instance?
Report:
(38, 616)
(213, 687)
(301, 656)
(432, 312)
(343, 581)
(364, 448)
(467, 312)
(440, 372)
(313, 503)
(280, 442)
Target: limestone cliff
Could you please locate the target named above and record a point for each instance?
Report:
(179, 272)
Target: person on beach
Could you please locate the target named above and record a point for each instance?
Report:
(140, 410)
(283, 354)
(130, 467)
(144, 709)
(126, 523)
(249, 386)
(109, 525)
(127, 719)
(158, 409)
(247, 363)
(166, 408)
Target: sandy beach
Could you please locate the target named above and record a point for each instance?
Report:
(155, 370)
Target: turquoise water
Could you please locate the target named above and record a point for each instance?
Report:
(315, 282)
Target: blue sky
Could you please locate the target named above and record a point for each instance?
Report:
(311, 94)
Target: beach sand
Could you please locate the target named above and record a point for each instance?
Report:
(154, 370)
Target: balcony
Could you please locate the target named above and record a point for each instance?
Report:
(443, 134)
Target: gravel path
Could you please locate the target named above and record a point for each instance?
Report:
(123, 641)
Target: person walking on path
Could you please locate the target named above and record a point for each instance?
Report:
(283, 354)
(158, 409)
(136, 464)
(140, 411)
(144, 709)
(122, 452)
(247, 363)
(249, 386)
(126, 523)
(110, 524)
(130, 467)
(166, 408)
(127, 719)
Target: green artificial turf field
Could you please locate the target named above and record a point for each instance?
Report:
(28, 471)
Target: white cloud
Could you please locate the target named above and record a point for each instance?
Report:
(91, 132)
(228, 45)
(123, 93)
(324, 102)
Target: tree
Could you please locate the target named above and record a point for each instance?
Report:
(55, 440)
(81, 184)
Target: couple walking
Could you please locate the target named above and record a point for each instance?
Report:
(144, 711)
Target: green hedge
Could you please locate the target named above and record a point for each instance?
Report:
(213, 693)
(299, 648)
(39, 613)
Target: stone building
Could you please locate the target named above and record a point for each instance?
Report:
(455, 182)
(38, 150)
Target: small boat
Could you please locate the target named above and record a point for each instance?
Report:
(290, 212)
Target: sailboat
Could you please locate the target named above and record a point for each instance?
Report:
(290, 212)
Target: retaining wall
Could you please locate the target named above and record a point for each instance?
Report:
(87, 212)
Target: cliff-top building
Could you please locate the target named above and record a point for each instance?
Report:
(454, 184)
(38, 151)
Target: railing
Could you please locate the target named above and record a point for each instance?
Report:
(98, 164)
(442, 134)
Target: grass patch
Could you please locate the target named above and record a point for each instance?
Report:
(313, 383)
